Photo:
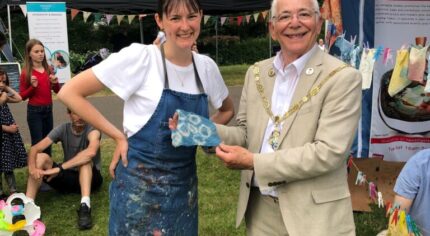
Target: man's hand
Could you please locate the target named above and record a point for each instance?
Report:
(36, 173)
(120, 152)
(51, 173)
(235, 157)
(173, 122)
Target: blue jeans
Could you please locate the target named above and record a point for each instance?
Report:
(40, 122)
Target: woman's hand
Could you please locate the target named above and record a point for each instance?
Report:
(173, 122)
(120, 152)
(53, 79)
(34, 82)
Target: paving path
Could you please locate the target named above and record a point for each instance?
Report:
(109, 106)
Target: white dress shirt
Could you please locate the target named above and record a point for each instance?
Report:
(287, 77)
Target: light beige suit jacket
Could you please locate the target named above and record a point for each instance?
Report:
(309, 169)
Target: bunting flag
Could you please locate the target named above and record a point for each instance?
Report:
(223, 19)
(108, 18)
(264, 14)
(86, 15)
(119, 18)
(23, 9)
(97, 17)
(73, 13)
(142, 16)
(205, 19)
(130, 18)
(256, 16)
(239, 20)
(231, 20)
(248, 18)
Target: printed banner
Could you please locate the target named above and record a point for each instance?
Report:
(47, 22)
(400, 121)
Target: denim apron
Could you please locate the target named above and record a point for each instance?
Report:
(156, 194)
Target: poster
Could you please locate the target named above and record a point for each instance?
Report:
(47, 22)
(400, 126)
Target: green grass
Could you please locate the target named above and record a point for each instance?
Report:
(234, 75)
(218, 193)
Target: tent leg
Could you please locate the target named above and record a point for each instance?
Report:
(216, 40)
(9, 26)
(141, 29)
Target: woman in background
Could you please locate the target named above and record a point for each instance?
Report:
(36, 83)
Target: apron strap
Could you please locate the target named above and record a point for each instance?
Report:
(196, 73)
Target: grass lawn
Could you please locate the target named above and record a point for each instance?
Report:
(218, 193)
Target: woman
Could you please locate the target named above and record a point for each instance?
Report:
(36, 83)
(155, 188)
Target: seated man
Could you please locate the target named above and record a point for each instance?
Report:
(80, 171)
(413, 190)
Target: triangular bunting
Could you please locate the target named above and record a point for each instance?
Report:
(248, 18)
(231, 20)
(23, 9)
(239, 20)
(205, 19)
(256, 16)
(97, 17)
(119, 18)
(264, 14)
(73, 13)
(223, 18)
(141, 16)
(86, 15)
(130, 18)
(108, 18)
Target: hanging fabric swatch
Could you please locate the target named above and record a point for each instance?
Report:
(427, 88)
(366, 67)
(417, 63)
(356, 57)
(399, 77)
(194, 130)
(345, 48)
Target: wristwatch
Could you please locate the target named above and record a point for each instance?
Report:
(60, 166)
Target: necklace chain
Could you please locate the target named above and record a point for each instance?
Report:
(277, 120)
(181, 79)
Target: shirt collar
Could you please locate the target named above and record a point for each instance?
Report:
(299, 63)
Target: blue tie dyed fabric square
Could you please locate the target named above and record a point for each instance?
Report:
(194, 130)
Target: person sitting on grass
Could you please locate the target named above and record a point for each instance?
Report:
(80, 171)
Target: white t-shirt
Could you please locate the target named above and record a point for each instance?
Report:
(136, 75)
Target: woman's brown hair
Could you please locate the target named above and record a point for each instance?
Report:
(166, 6)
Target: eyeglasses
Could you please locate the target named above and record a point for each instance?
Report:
(304, 15)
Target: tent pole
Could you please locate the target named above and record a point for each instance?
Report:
(9, 26)
(141, 29)
(216, 40)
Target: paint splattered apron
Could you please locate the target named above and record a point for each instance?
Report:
(156, 194)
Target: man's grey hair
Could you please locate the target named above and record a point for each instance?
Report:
(275, 3)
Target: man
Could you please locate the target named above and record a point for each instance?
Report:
(321, 44)
(413, 189)
(80, 171)
(297, 117)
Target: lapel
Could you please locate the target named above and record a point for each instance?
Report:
(268, 83)
(304, 85)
